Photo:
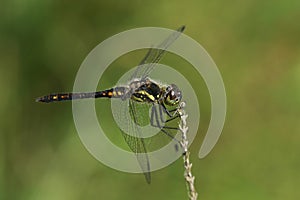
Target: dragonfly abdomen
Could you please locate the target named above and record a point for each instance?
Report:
(117, 92)
(110, 93)
(65, 97)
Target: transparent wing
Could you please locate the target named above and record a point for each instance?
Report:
(128, 117)
(154, 55)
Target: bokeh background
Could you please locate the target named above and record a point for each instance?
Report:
(256, 46)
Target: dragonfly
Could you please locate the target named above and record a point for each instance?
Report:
(141, 89)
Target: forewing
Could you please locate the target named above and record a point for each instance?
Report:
(154, 55)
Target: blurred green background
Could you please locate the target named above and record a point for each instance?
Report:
(256, 45)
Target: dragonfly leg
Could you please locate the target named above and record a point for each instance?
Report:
(164, 129)
(165, 110)
(171, 116)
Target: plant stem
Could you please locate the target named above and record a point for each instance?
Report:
(189, 178)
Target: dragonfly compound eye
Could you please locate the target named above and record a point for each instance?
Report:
(173, 95)
(168, 89)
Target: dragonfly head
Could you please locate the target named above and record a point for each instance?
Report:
(173, 95)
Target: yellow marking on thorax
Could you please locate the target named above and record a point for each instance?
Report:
(147, 94)
(54, 97)
(151, 97)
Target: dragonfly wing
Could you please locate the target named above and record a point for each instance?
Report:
(134, 141)
(137, 145)
(154, 55)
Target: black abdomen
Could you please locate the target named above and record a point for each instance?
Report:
(117, 92)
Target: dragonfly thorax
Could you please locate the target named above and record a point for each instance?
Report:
(145, 91)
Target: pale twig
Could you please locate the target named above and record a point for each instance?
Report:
(189, 178)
